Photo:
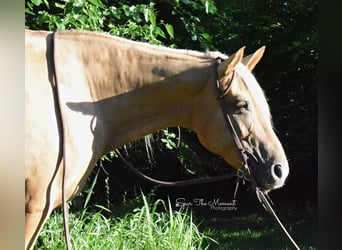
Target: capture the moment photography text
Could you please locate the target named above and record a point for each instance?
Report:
(214, 204)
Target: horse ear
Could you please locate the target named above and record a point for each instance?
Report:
(229, 64)
(251, 60)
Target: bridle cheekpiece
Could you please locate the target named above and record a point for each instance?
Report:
(244, 173)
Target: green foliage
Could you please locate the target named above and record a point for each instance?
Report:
(141, 23)
(127, 19)
(137, 22)
(188, 17)
(169, 139)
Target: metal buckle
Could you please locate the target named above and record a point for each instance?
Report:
(240, 173)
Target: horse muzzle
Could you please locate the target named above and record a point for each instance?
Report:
(269, 176)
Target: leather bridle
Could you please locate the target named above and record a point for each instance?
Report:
(248, 158)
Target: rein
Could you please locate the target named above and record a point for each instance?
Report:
(174, 183)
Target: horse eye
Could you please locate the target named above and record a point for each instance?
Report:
(241, 104)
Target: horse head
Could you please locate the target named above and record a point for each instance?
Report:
(243, 101)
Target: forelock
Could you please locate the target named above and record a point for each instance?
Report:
(255, 90)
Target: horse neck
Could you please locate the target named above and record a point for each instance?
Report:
(146, 93)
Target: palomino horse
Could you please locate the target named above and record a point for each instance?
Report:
(88, 93)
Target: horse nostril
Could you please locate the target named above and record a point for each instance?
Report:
(277, 171)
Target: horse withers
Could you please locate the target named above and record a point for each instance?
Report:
(87, 93)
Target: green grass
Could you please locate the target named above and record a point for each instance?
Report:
(255, 231)
(142, 224)
(143, 228)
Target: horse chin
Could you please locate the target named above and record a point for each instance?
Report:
(268, 186)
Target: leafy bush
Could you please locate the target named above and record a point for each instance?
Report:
(137, 22)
